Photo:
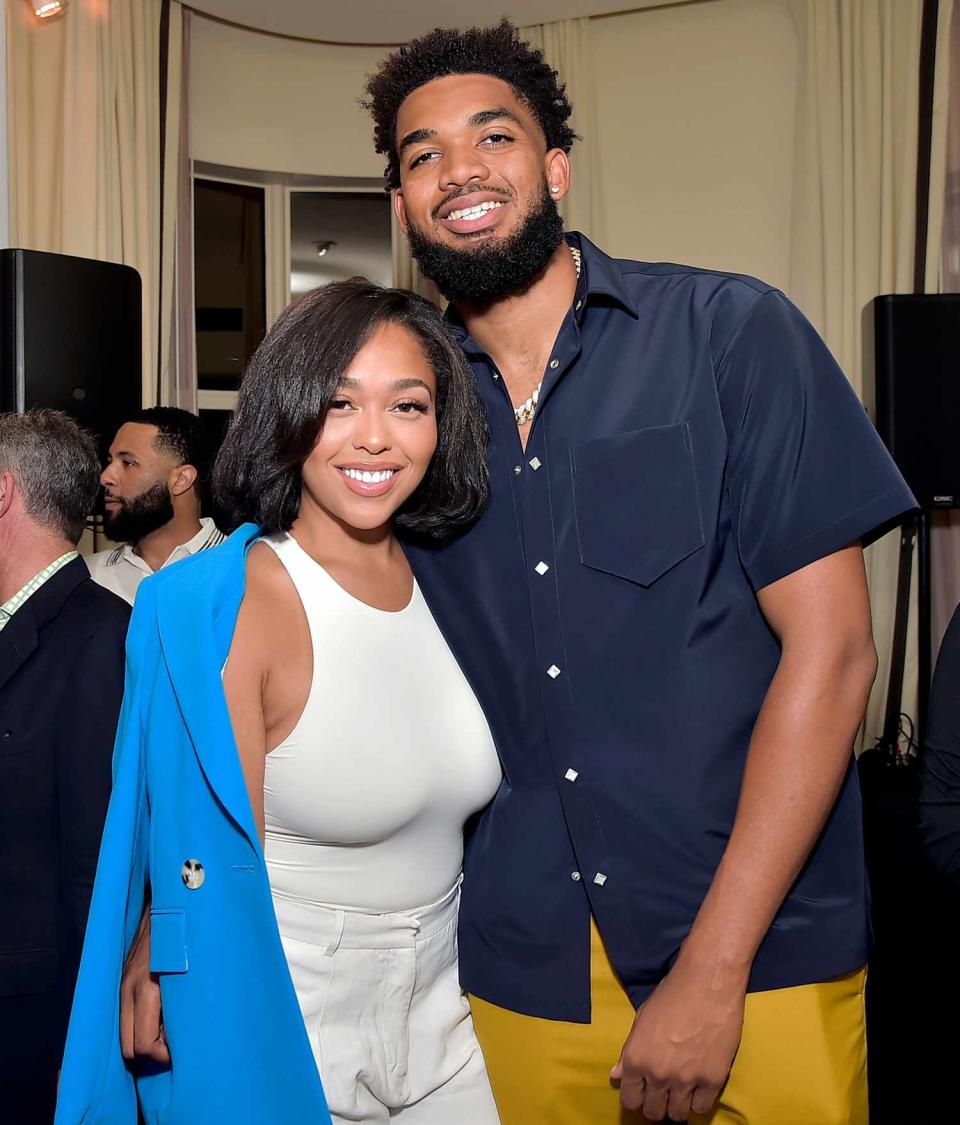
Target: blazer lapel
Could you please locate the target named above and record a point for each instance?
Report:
(17, 641)
(19, 638)
(196, 621)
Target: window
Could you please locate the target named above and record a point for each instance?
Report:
(336, 235)
(257, 243)
(230, 279)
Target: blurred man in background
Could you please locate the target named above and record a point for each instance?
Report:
(152, 486)
(61, 681)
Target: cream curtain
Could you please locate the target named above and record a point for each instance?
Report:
(566, 47)
(178, 367)
(84, 140)
(406, 272)
(945, 526)
(854, 211)
(4, 156)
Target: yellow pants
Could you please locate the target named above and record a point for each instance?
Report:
(802, 1058)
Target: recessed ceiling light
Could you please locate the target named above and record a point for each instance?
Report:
(324, 246)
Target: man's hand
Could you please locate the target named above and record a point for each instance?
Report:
(141, 1020)
(679, 1052)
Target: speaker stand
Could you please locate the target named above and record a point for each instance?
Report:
(888, 744)
(924, 639)
(915, 526)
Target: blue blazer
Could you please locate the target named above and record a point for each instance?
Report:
(237, 1039)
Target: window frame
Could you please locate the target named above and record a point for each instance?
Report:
(277, 188)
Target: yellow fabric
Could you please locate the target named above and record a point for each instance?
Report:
(802, 1058)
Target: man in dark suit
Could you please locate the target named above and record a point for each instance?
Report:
(61, 681)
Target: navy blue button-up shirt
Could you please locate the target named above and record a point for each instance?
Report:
(694, 441)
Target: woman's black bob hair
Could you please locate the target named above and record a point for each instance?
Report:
(287, 389)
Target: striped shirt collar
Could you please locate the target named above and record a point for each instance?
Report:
(209, 535)
(9, 608)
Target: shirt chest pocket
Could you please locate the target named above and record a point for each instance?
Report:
(636, 501)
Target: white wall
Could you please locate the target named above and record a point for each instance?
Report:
(696, 128)
(280, 105)
(695, 111)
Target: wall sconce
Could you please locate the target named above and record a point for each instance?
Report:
(47, 9)
(324, 246)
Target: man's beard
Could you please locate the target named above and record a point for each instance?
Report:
(138, 517)
(500, 268)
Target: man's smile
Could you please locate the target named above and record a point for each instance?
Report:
(471, 211)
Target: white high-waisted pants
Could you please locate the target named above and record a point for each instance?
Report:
(390, 1027)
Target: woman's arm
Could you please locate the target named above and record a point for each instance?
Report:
(269, 670)
(266, 681)
(244, 677)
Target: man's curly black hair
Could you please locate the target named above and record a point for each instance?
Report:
(497, 51)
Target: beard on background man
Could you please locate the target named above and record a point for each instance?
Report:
(134, 519)
(499, 268)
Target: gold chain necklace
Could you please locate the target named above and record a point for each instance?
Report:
(526, 410)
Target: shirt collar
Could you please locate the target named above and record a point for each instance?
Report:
(205, 537)
(9, 608)
(600, 277)
(208, 536)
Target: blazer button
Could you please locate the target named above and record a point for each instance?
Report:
(192, 874)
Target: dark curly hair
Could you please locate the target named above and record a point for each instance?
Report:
(497, 51)
(286, 392)
(180, 435)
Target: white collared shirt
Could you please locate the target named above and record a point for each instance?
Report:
(121, 569)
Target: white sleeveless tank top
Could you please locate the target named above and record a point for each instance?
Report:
(365, 801)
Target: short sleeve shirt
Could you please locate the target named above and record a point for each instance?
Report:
(121, 570)
(694, 442)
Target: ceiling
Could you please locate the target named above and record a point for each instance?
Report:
(387, 22)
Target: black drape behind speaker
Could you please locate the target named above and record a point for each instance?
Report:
(917, 341)
(70, 337)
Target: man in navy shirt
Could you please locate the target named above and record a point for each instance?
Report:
(665, 616)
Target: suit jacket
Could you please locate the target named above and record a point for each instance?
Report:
(180, 817)
(61, 680)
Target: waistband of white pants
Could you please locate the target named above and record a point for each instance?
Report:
(333, 928)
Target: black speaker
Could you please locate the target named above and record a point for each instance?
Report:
(917, 351)
(70, 338)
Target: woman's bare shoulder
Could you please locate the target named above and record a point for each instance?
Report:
(270, 598)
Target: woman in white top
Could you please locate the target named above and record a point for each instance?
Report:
(362, 745)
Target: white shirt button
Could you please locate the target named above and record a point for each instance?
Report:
(578, 306)
(495, 376)
(554, 364)
(535, 463)
(572, 774)
(575, 876)
(553, 671)
(517, 470)
(541, 568)
(599, 878)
